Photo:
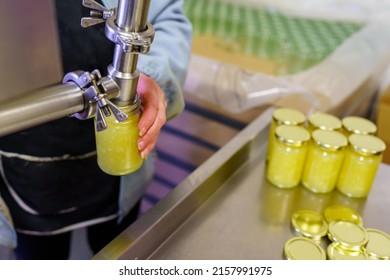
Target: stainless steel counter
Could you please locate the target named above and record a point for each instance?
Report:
(226, 209)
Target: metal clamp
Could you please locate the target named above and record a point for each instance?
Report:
(96, 92)
(134, 42)
(98, 14)
(130, 42)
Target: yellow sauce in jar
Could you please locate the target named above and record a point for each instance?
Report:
(324, 160)
(283, 116)
(361, 162)
(116, 146)
(287, 160)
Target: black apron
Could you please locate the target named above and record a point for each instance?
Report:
(46, 195)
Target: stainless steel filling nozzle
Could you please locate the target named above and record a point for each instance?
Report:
(88, 94)
(127, 27)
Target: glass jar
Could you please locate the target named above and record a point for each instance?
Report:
(324, 159)
(116, 146)
(287, 160)
(361, 162)
(283, 116)
(358, 125)
(324, 121)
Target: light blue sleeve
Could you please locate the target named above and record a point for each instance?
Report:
(7, 231)
(167, 63)
(168, 58)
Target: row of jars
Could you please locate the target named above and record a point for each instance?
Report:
(323, 152)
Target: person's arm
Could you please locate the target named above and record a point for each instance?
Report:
(167, 61)
(166, 64)
(164, 69)
(7, 231)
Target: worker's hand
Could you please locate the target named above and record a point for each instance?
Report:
(153, 113)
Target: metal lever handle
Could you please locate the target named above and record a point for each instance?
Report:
(104, 108)
(96, 90)
(98, 13)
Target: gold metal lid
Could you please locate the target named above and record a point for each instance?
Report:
(342, 213)
(348, 235)
(329, 140)
(367, 144)
(310, 224)
(288, 116)
(358, 125)
(292, 135)
(325, 121)
(301, 248)
(378, 246)
(335, 252)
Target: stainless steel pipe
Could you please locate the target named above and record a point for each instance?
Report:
(131, 17)
(40, 106)
(54, 102)
(47, 104)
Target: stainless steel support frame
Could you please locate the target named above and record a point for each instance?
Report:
(66, 99)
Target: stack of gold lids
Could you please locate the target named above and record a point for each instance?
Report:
(348, 241)
(347, 238)
(311, 227)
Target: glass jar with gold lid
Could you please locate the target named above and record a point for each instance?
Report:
(358, 125)
(324, 159)
(287, 160)
(361, 162)
(283, 116)
(324, 121)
